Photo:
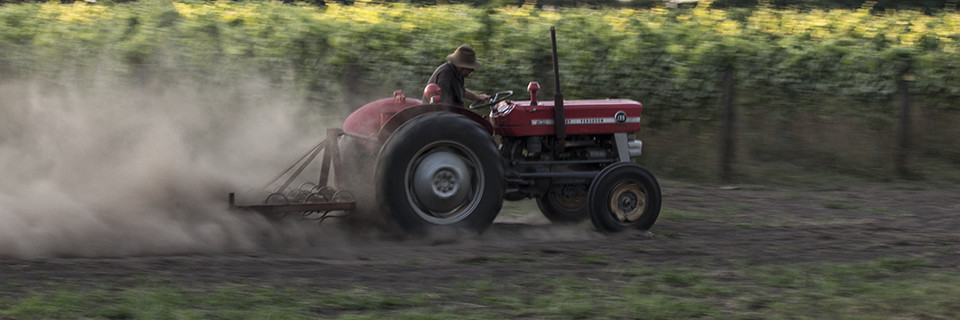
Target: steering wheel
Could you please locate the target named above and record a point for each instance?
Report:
(497, 97)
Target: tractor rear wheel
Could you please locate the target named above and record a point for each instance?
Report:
(624, 196)
(563, 209)
(440, 171)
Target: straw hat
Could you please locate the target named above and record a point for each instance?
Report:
(464, 57)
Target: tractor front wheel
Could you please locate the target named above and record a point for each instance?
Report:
(440, 171)
(624, 196)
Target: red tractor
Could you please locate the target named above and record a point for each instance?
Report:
(437, 166)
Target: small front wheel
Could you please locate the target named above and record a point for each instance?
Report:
(624, 196)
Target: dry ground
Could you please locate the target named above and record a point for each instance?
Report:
(699, 227)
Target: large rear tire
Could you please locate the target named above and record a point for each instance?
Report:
(563, 209)
(624, 196)
(440, 171)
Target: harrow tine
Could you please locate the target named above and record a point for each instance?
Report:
(316, 150)
(310, 198)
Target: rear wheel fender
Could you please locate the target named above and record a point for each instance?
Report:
(408, 114)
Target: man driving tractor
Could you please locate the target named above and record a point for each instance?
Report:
(450, 77)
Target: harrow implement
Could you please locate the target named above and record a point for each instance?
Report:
(312, 200)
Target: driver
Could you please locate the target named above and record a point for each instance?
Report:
(450, 77)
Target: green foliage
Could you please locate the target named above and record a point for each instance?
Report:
(791, 65)
(670, 59)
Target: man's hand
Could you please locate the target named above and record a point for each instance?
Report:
(482, 98)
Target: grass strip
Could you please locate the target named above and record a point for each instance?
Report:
(883, 288)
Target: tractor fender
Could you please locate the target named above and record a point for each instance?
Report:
(412, 112)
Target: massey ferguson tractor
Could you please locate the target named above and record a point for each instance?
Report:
(444, 167)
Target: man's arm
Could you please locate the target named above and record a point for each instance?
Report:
(475, 97)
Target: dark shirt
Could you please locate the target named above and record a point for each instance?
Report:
(451, 84)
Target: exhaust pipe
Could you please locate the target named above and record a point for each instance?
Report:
(559, 121)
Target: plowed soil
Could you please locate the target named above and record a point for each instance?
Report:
(699, 227)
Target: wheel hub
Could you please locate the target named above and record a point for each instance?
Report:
(628, 202)
(441, 182)
(445, 183)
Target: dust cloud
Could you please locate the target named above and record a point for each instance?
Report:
(109, 169)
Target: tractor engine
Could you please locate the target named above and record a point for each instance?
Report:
(534, 165)
(557, 169)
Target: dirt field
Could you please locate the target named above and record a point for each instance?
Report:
(698, 227)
